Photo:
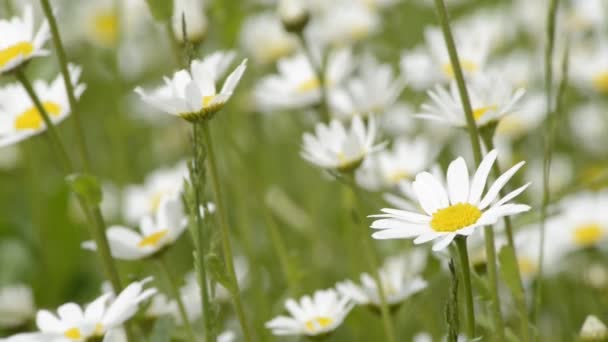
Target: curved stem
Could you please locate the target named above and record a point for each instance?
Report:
(63, 64)
(461, 243)
(163, 265)
(225, 232)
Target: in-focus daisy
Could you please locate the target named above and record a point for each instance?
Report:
(103, 315)
(263, 37)
(452, 210)
(400, 278)
(491, 99)
(335, 147)
(144, 199)
(374, 90)
(312, 316)
(191, 94)
(19, 44)
(156, 233)
(19, 118)
(387, 169)
(16, 306)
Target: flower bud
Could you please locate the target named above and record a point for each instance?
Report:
(593, 330)
(293, 14)
(193, 13)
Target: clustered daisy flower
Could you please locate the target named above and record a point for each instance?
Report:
(19, 44)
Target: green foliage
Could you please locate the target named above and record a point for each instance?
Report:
(161, 10)
(87, 187)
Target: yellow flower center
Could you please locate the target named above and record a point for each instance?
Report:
(73, 334)
(510, 125)
(98, 329)
(153, 239)
(478, 113)
(207, 100)
(588, 234)
(105, 27)
(318, 323)
(276, 51)
(600, 81)
(455, 217)
(308, 85)
(32, 119)
(397, 176)
(467, 66)
(359, 32)
(526, 266)
(20, 49)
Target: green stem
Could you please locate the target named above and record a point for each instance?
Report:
(225, 232)
(319, 70)
(461, 243)
(163, 265)
(201, 268)
(63, 64)
(499, 327)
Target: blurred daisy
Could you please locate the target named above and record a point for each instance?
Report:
(19, 118)
(344, 22)
(593, 330)
(457, 209)
(241, 268)
(387, 169)
(582, 221)
(373, 91)
(144, 199)
(103, 315)
(193, 11)
(491, 98)
(315, 316)
(586, 15)
(264, 39)
(529, 114)
(297, 85)
(399, 276)
(161, 305)
(589, 69)
(155, 233)
(191, 94)
(334, 147)
(19, 44)
(294, 14)
(589, 124)
(16, 306)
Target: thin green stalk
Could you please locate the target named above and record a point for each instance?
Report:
(461, 244)
(488, 234)
(63, 64)
(164, 267)
(225, 232)
(200, 236)
(319, 69)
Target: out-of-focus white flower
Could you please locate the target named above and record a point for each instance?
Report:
(144, 199)
(399, 276)
(452, 210)
(387, 169)
(156, 233)
(398, 120)
(561, 175)
(16, 306)
(593, 330)
(373, 90)
(19, 44)
(294, 14)
(589, 124)
(73, 323)
(530, 113)
(161, 305)
(191, 94)
(334, 147)
(264, 39)
(9, 157)
(491, 98)
(315, 316)
(587, 15)
(344, 22)
(297, 85)
(19, 118)
(241, 268)
(193, 11)
(589, 69)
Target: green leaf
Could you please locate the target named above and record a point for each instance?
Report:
(218, 271)
(162, 10)
(509, 270)
(161, 332)
(482, 287)
(85, 186)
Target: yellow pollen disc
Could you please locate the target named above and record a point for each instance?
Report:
(359, 32)
(318, 323)
(455, 217)
(588, 234)
(20, 49)
(276, 51)
(31, 118)
(398, 176)
(467, 66)
(152, 239)
(309, 85)
(98, 329)
(155, 200)
(600, 82)
(526, 266)
(207, 100)
(73, 334)
(478, 113)
(105, 27)
(510, 125)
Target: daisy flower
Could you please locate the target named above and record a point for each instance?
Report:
(19, 118)
(589, 124)
(103, 315)
(312, 316)
(191, 94)
(590, 67)
(399, 276)
(491, 98)
(593, 330)
(19, 44)
(265, 40)
(294, 14)
(155, 233)
(336, 148)
(16, 306)
(343, 23)
(457, 209)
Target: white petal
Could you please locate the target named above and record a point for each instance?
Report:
(458, 181)
(481, 176)
(498, 185)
